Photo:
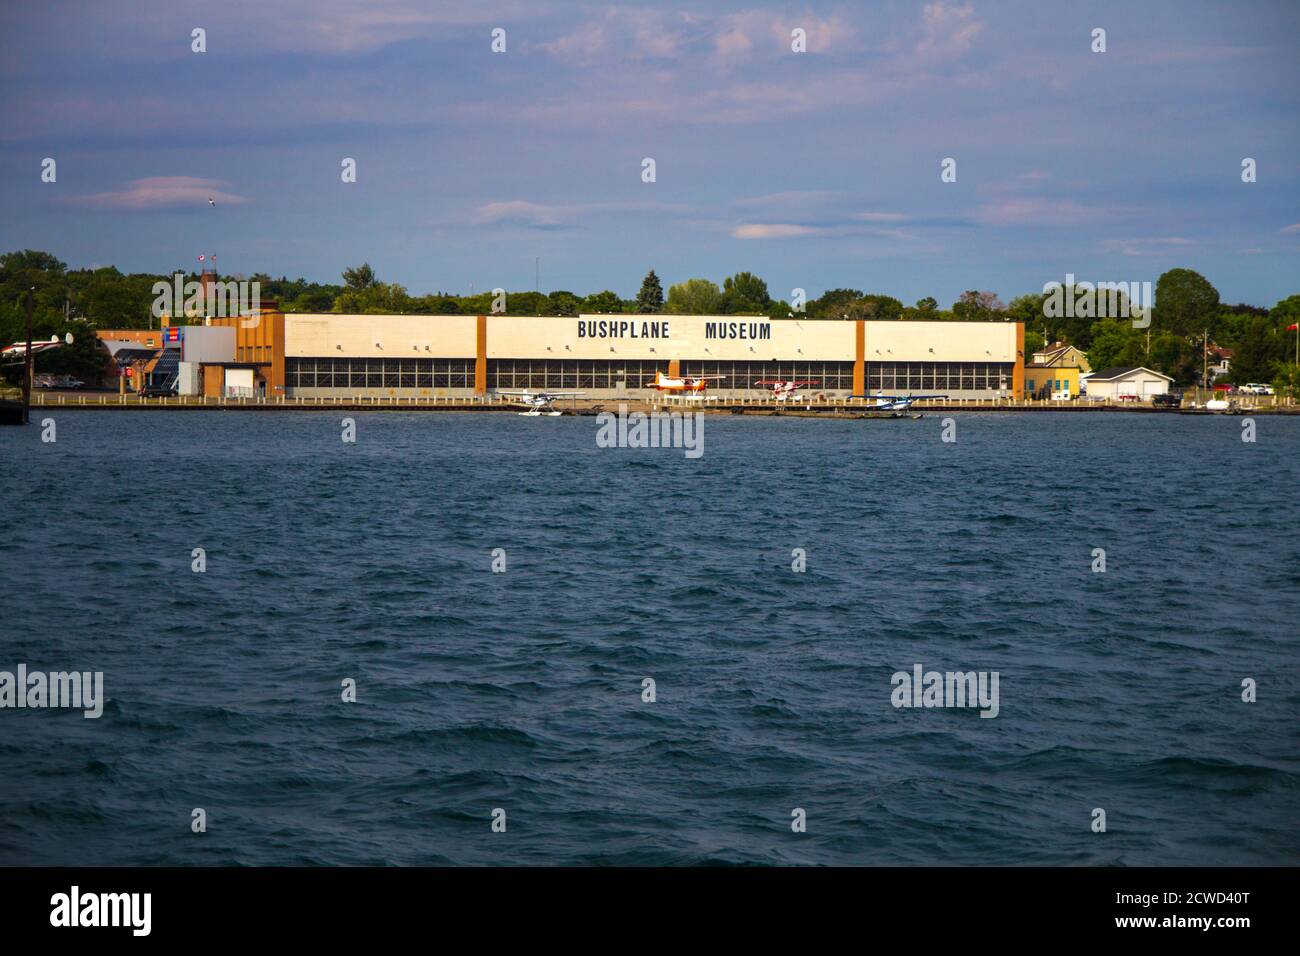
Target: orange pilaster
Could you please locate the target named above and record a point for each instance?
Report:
(860, 358)
(1018, 375)
(480, 357)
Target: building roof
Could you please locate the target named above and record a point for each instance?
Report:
(1110, 374)
(124, 355)
(1054, 368)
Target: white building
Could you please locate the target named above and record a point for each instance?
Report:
(1133, 383)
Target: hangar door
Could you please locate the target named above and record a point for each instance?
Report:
(239, 382)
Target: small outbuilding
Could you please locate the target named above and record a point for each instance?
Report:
(1135, 384)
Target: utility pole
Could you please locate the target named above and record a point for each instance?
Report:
(1205, 360)
(27, 379)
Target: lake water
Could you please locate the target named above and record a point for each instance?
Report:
(523, 690)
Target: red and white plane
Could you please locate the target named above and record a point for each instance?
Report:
(782, 390)
(684, 383)
(18, 351)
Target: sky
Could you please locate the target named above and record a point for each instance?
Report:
(815, 170)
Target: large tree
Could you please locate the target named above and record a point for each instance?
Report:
(745, 292)
(563, 303)
(359, 277)
(651, 297)
(1257, 354)
(833, 303)
(694, 297)
(1186, 303)
(605, 301)
(977, 306)
(1115, 344)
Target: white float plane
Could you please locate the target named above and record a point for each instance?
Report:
(681, 384)
(896, 403)
(18, 351)
(782, 390)
(539, 403)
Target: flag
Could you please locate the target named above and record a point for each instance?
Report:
(200, 258)
(1293, 327)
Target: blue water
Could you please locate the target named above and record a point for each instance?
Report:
(523, 690)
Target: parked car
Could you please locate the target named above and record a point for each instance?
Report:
(1257, 388)
(43, 380)
(66, 381)
(1167, 400)
(157, 391)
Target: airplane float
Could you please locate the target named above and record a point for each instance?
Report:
(895, 403)
(539, 403)
(681, 384)
(782, 390)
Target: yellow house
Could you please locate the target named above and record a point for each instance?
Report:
(1059, 355)
(1051, 381)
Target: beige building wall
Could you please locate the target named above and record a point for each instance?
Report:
(941, 342)
(656, 337)
(379, 336)
(666, 339)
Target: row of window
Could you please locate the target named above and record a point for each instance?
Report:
(1049, 385)
(378, 373)
(831, 376)
(939, 376)
(556, 374)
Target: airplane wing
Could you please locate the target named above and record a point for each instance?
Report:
(899, 398)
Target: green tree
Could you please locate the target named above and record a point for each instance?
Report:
(1257, 354)
(1033, 343)
(694, 297)
(745, 293)
(927, 304)
(606, 302)
(563, 303)
(833, 303)
(976, 306)
(779, 309)
(651, 297)
(359, 277)
(1186, 303)
(374, 299)
(1175, 356)
(1115, 344)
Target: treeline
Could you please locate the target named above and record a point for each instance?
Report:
(1188, 313)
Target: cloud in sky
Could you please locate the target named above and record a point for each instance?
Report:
(1159, 246)
(757, 230)
(948, 29)
(814, 170)
(560, 215)
(160, 192)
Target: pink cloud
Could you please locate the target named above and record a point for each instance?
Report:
(161, 192)
(755, 230)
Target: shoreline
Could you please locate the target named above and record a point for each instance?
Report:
(591, 407)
